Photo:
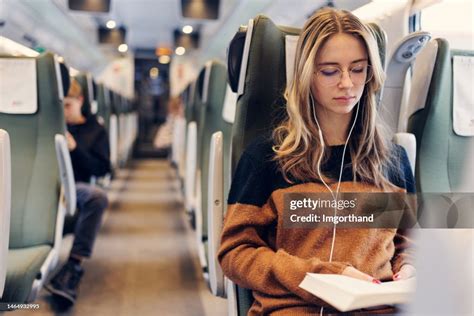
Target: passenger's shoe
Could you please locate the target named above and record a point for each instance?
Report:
(65, 284)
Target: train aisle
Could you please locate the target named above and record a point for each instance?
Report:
(145, 259)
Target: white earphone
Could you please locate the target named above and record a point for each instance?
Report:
(340, 171)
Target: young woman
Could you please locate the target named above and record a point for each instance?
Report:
(329, 143)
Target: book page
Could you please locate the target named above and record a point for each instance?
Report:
(346, 293)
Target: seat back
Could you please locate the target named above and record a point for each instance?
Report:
(263, 61)
(218, 188)
(85, 81)
(444, 123)
(35, 191)
(5, 201)
(193, 132)
(258, 61)
(210, 121)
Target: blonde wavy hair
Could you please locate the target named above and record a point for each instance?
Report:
(298, 149)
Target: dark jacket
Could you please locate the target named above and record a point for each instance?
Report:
(91, 157)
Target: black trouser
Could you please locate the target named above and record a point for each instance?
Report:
(91, 203)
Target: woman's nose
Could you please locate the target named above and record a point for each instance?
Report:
(346, 81)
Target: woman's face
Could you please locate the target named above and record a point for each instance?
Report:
(341, 70)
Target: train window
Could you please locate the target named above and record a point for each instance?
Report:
(452, 20)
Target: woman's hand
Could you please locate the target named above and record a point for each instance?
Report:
(354, 273)
(406, 271)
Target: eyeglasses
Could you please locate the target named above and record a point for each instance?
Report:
(332, 75)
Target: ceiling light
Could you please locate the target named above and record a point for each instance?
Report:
(111, 24)
(187, 29)
(165, 59)
(180, 50)
(123, 48)
(154, 72)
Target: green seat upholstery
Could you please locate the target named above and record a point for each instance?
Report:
(260, 105)
(24, 265)
(210, 121)
(34, 235)
(444, 158)
(193, 132)
(262, 82)
(85, 81)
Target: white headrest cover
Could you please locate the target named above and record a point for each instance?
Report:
(422, 73)
(18, 86)
(290, 53)
(230, 101)
(245, 58)
(463, 101)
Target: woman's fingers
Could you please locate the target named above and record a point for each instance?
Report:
(354, 273)
(406, 271)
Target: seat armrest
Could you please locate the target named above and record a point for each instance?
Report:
(5, 204)
(407, 141)
(215, 203)
(232, 301)
(66, 173)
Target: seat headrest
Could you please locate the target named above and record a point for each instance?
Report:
(85, 81)
(381, 38)
(65, 78)
(199, 89)
(234, 57)
(19, 94)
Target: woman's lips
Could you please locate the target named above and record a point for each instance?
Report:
(344, 100)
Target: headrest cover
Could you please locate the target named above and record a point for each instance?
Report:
(290, 54)
(463, 101)
(18, 88)
(230, 101)
(421, 79)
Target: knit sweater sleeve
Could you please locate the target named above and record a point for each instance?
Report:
(246, 254)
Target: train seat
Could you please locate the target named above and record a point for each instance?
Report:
(38, 145)
(260, 106)
(219, 185)
(441, 118)
(210, 121)
(192, 113)
(257, 73)
(5, 202)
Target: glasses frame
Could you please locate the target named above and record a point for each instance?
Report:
(369, 75)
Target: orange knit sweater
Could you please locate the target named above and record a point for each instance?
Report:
(259, 253)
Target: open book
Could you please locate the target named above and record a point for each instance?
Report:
(346, 293)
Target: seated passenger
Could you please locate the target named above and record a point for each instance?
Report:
(89, 148)
(329, 143)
